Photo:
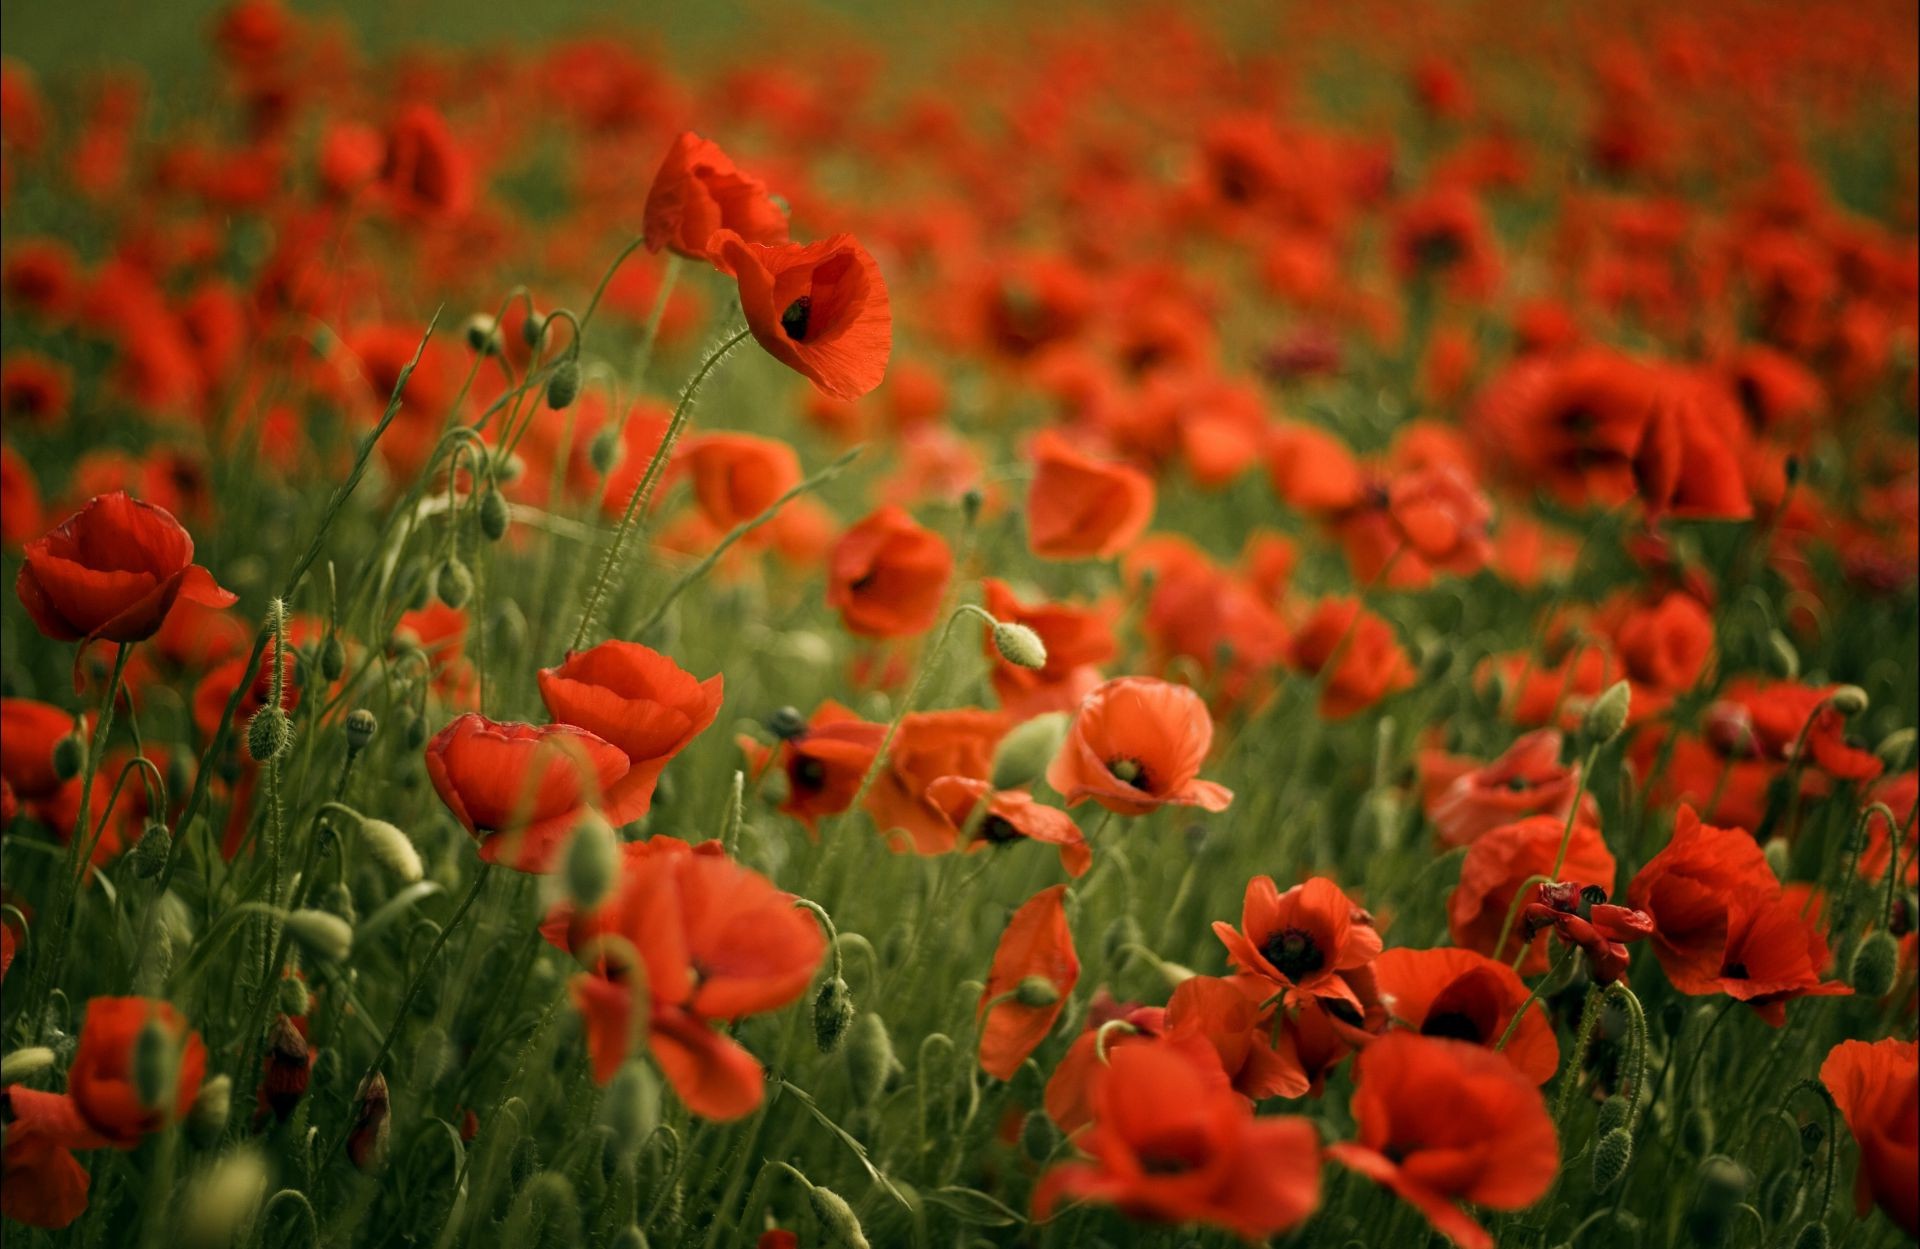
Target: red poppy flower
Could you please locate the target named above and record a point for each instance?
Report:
(738, 476)
(1312, 471)
(640, 701)
(1877, 1087)
(1528, 779)
(698, 192)
(1078, 639)
(824, 763)
(990, 817)
(520, 789)
(1443, 235)
(1227, 1013)
(1082, 508)
(1171, 1142)
(1034, 969)
(1464, 996)
(1069, 1095)
(1781, 714)
(1370, 664)
(424, 173)
(1442, 1122)
(29, 731)
(927, 746)
(1664, 646)
(1690, 889)
(21, 515)
(820, 309)
(1301, 940)
(101, 1079)
(1581, 917)
(1136, 744)
(1498, 866)
(34, 389)
(112, 570)
(887, 576)
(41, 1183)
(1774, 953)
(1441, 516)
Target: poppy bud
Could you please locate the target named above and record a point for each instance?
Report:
(604, 452)
(1697, 1130)
(1894, 746)
(156, 1064)
(69, 756)
(832, 1014)
(483, 334)
(337, 899)
(509, 627)
(1613, 1114)
(1607, 714)
(151, 851)
(1019, 645)
(592, 858)
(1874, 965)
(454, 582)
(564, 385)
(533, 329)
(333, 657)
(1812, 1136)
(1812, 1236)
(1779, 856)
(222, 1202)
(837, 1218)
(22, 1063)
(1848, 700)
(361, 726)
(1037, 991)
(268, 734)
(1037, 1136)
(1786, 660)
(294, 998)
(325, 935)
(632, 1106)
(970, 504)
(391, 849)
(494, 516)
(1611, 1158)
(1024, 753)
(207, 1121)
(786, 723)
(869, 1058)
(367, 1142)
(287, 1068)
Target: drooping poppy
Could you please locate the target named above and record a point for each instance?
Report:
(1034, 969)
(928, 746)
(1301, 940)
(1442, 1122)
(640, 701)
(1498, 866)
(519, 789)
(1465, 996)
(1877, 1087)
(821, 308)
(1137, 744)
(1069, 1094)
(887, 575)
(101, 1079)
(1527, 779)
(1581, 916)
(1079, 507)
(986, 817)
(699, 192)
(112, 570)
(1367, 661)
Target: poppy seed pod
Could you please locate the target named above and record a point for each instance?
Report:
(454, 582)
(325, 936)
(1875, 964)
(1611, 1158)
(833, 1013)
(1607, 714)
(591, 860)
(837, 1218)
(360, 727)
(494, 514)
(564, 385)
(391, 849)
(268, 734)
(786, 723)
(1019, 645)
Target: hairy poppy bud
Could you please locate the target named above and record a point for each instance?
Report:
(630, 1237)
(151, 851)
(268, 734)
(454, 582)
(1894, 746)
(832, 1013)
(287, 1067)
(564, 385)
(337, 899)
(1875, 964)
(294, 998)
(223, 1201)
(156, 1064)
(592, 859)
(207, 1121)
(1607, 714)
(333, 657)
(324, 935)
(533, 329)
(1037, 1136)
(1024, 753)
(23, 1063)
(361, 726)
(1036, 991)
(1613, 1114)
(367, 1142)
(1779, 856)
(494, 514)
(1848, 700)
(483, 334)
(1019, 645)
(869, 1058)
(837, 1218)
(632, 1106)
(1611, 1158)
(604, 452)
(69, 756)
(391, 849)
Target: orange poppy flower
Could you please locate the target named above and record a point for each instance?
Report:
(1226, 1013)
(1497, 867)
(520, 789)
(1528, 779)
(1136, 744)
(990, 817)
(101, 1079)
(824, 762)
(1171, 1142)
(1370, 665)
(698, 192)
(1069, 1095)
(1077, 639)
(1877, 1087)
(1467, 997)
(1082, 508)
(1312, 471)
(1444, 1121)
(887, 575)
(820, 309)
(927, 746)
(738, 476)
(1441, 517)
(1299, 941)
(1034, 969)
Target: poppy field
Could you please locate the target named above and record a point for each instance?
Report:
(1264, 624)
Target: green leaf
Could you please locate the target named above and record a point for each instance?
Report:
(970, 1205)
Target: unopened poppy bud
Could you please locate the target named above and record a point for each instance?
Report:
(337, 899)
(333, 657)
(786, 723)
(604, 452)
(222, 1202)
(483, 334)
(1812, 1236)
(151, 851)
(1779, 856)
(413, 729)
(367, 1142)
(1786, 660)
(69, 756)
(156, 1064)
(970, 504)
(1037, 991)
(1697, 1130)
(509, 627)
(361, 726)
(23, 1063)
(287, 1067)
(1875, 964)
(1019, 645)
(837, 1218)
(632, 1106)
(1812, 1136)
(1610, 1159)
(294, 998)
(832, 1013)
(207, 1121)
(869, 1058)
(1024, 753)
(533, 329)
(494, 514)
(1893, 748)
(268, 734)
(1607, 714)
(591, 860)
(454, 582)
(1037, 1136)
(1613, 1114)
(391, 849)
(564, 385)
(324, 935)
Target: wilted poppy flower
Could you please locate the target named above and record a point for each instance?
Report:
(1582, 917)
(1172, 1142)
(1034, 969)
(520, 789)
(1465, 996)
(638, 700)
(824, 762)
(1137, 744)
(887, 575)
(1301, 940)
(112, 570)
(1077, 639)
(698, 192)
(1690, 890)
(821, 308)
(983, 816)
(1368, 663)
(41, 1183)
(1442, 1122)
(1082, 508)
(927, 746)
(101, 1079)
(1498, 866)
(1877, 1087)
(1528, 779)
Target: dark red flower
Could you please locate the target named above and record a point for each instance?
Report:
(887, 576)
(112, 570)
(1877, 1087)
(821, 308)
(698, 192)
(520, 789)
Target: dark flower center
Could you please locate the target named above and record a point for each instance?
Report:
(794, 320)
(1734, 971)
(1164, 1164)
(997, 829)
(1516, 784)
(1294, 953)
(809, 774)
(1454, 1025)
(1130, 771)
